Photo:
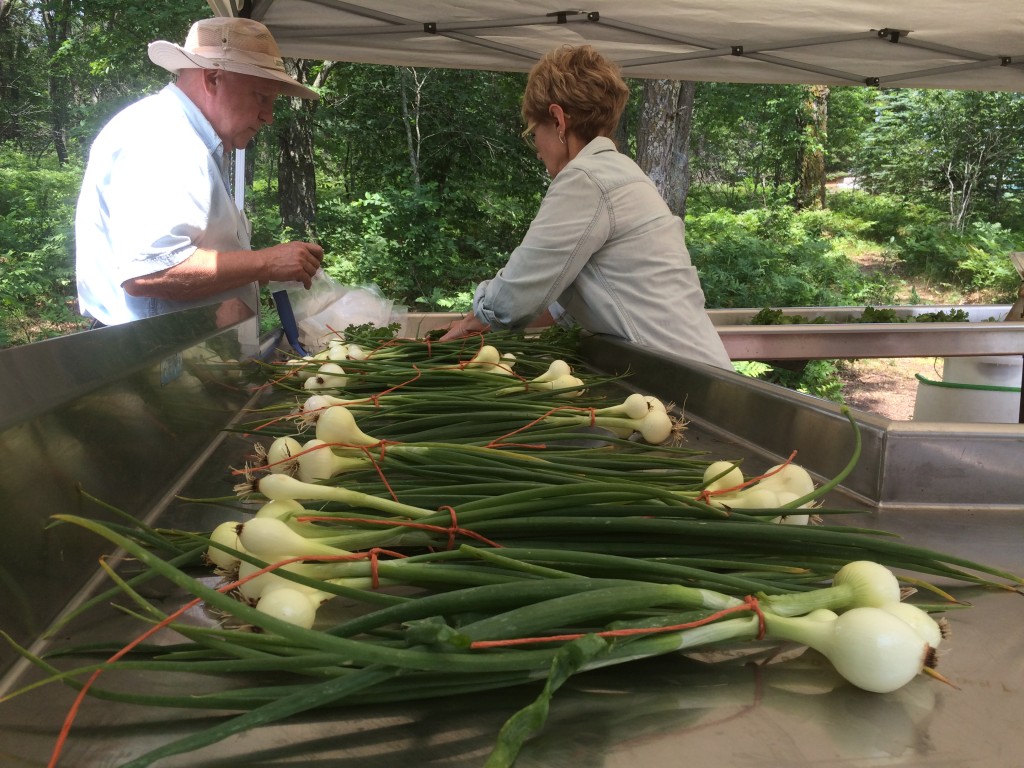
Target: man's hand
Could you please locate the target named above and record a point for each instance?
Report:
(295, 261)
(465, 327)
(208, 273)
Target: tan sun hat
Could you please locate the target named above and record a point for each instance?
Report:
(232, 44)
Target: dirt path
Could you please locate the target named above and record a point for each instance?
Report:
(886, 387)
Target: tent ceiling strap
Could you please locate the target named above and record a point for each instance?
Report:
(366, 13)
(524, 53)
(665, 58)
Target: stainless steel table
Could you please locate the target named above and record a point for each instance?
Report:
(952, 488)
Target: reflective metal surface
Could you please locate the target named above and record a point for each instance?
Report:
(976, 313)
(759, 706)
(902, 464)
(120, 412)
(769, 707)
(822, 342)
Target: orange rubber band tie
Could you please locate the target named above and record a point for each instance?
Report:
(750, 603)
(498, 442)
(706, 495)
(452, 531)
(76, 705)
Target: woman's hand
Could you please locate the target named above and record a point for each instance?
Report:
(465, 327)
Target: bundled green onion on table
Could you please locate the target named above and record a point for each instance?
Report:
(436, 520)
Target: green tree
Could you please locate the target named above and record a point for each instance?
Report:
(810, 160)
(958, 150)
(772, 138)
(23, 64)
(425, 185)
(67, 65)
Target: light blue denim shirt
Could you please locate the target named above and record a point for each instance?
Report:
(154, 191)
(606, 248)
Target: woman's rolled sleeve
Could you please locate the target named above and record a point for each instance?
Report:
(570, 226)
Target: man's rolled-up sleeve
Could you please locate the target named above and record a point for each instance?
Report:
(158, 210)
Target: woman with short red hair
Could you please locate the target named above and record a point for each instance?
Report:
(604, 251)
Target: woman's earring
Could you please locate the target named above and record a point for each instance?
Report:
(561, 138)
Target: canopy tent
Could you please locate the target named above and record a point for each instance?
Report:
(885, 43)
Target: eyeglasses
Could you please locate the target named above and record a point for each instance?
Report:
(529, 135)
(530, 132)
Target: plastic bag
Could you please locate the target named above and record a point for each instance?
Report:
(324, 311)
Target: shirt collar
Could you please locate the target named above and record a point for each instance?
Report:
(599, 144)
(202, 126)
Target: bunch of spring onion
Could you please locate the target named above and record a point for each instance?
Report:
(365, 342)
(485, 617)
(416, 364)
(444, 404)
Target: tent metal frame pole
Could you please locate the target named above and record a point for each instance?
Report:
(959, 53)
(439, 27)
(743, 52)
(667, 57)
(400, 25)
(850, 77)
(649, 32)
(525, 53)
(356, 10)
(889, 79)
(626, 26)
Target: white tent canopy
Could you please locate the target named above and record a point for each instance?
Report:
(888, 43)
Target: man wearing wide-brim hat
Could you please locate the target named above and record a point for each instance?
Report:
(156, 227)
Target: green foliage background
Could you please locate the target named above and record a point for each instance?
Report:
(424, 185)
(37, 280)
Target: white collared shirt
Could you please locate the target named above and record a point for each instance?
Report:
(154, 191)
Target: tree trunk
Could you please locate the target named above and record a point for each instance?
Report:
(57, 22)
(296, 172)
(410, 82)
(663, 138)
(811, 161)
(9, 90)
(963, 181)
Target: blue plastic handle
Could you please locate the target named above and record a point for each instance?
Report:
(291, 329)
